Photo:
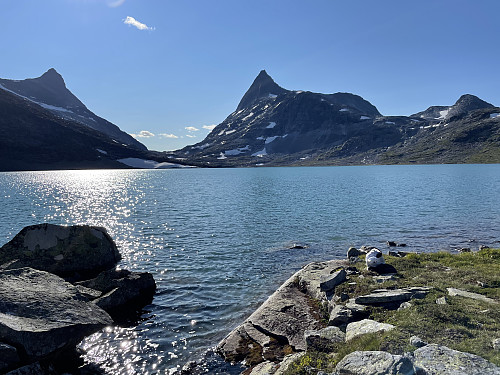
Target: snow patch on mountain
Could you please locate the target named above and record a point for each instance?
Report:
(148, 164)
(271, 125)
(495, 115)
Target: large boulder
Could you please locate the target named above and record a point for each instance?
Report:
(122, 291)
(364, 327)
(41, 314)
(374, 363)
(8, 357)
(75, 252)
(434, 359)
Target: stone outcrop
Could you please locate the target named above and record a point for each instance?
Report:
(439, 360)
(40, 313)
(324, 339)
(383, 296)
(374, 363)
(364, 327)
(120, 291)
(279, 324)
(72, 252)
(463, 293)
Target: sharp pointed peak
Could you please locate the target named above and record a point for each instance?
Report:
(52, 77)
(262, 86)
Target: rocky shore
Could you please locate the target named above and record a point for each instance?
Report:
(58, 284)
(369, 314)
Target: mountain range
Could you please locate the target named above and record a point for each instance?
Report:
(44, 126)
(275, 126)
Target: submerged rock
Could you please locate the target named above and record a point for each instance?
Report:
(120, 292)
(73, 252)
(439, 360)
(42, 314)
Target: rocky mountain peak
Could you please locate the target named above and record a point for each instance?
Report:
(262, 86)
(52, 78)
(467, 103)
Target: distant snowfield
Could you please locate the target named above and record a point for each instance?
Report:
(365, 118)
(271, 125)
(149, 164)
(43, 105)
(443, 114)
(494, 115)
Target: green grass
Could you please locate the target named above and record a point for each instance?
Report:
(462, 324)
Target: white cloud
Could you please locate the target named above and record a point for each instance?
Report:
(191, 129)
(132, 21)
(115, 3)
(209, 127)
(164, 135)
(143, 134)
(190, 136)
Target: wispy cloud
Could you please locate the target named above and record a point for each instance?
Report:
(143, 134)
(164, 135)
(190, 136)
(115, 3)
(209, 127)
(191, 129)
(133, 22)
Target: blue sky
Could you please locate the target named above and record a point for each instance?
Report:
(191, 61)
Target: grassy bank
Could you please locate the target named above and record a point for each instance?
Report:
(461, 323)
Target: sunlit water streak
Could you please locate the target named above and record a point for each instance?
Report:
(216, 240)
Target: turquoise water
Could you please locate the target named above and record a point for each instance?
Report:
(217, 240)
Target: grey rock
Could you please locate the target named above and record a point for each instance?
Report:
(287, 361)
(323, 340)
(72, 252)
(264, 368)
(374, 363)
(417, 342)
(384, 278)
(122, 291)
(284, 317)
(329, 282)
(381, 296)
(353, 252)
(42, 313)
(33, 369)
(8, 357)
(364, 327)
(441, 301)
(439, 360)
(496, 344)
(399, 253)
(89, 293)
(342, 315)
(404, 305)
(463, 293)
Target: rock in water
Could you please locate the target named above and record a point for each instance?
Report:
(75, 252)
(42, 314)
(122, 291)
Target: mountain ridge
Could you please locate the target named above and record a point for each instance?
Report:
(301, 127)
(50, 92)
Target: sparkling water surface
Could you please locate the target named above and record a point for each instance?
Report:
(216, 240)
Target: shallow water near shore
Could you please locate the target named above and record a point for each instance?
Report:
(217, 240)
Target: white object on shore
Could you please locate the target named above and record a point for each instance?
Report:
(374, 258)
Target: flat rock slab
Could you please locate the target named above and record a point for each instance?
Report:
(364, 327)
(440, 360)
(381, 296)
(42, 313)
(374, 363)
(328, 282)
(463, 293)
(74, 252)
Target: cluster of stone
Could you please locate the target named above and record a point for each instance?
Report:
(288, 324)
(57, 286)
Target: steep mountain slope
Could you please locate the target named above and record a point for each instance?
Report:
(275, 126)
(33, 138)
(271, 120)
(49, 91)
